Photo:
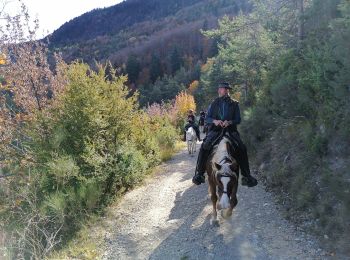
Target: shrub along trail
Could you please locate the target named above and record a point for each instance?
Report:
(168, 218)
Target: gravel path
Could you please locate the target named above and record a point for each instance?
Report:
(168, 218)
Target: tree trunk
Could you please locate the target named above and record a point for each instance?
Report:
(301, 25)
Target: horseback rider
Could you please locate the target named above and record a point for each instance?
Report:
(190, 115)
(191, 123)
(223, 115)
(202, 118)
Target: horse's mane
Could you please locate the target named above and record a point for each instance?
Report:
(221, 151)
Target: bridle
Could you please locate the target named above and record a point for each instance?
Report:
(226, 159)
(233, 174)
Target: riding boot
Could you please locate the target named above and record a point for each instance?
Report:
(247, 179)
(242, 159)
(199, 177)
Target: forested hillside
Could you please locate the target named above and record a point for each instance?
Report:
(290, 64)
(158, 44)
(109, 21)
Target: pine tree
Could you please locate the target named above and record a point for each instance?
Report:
(133, 68)
(175, 60)
(156, 68)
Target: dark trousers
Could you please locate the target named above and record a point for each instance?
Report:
(239, 150)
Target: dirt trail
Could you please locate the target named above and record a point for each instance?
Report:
(168, 218)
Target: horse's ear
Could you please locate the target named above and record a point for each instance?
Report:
(217, 166)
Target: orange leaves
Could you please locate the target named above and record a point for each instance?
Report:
(31, 87)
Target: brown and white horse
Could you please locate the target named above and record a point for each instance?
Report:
(223, 173)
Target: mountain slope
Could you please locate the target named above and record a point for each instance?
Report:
(157, 43)
(111, 20)
(102, 33)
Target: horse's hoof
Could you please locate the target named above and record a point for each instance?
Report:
(214, 222)
(226, 213)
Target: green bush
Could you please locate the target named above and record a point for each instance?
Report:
(93, 145)
(166, 138)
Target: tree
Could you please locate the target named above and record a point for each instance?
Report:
(30, 81)
(156, 68)
(175, 60)
(29, 86)
(301, 23)
(183, 103)
(133, 68)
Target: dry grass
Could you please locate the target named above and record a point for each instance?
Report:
(167, 153)
(87, 243)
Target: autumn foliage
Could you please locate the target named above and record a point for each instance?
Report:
(184, 102)
(72, 138)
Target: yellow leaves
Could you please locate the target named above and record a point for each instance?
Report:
(237, 95)
(205, 67)
(3, 59)
(5, 87)
(184, 102)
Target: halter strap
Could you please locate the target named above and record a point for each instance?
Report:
(221, 190)
(226, 158)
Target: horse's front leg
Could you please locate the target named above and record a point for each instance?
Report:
(214, 219)
(227, 213)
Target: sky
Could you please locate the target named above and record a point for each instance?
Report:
(53, 13)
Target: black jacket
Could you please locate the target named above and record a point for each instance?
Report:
(223, 108)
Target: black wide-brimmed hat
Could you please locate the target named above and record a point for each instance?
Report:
(224, 85)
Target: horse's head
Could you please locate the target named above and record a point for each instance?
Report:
(226, 175)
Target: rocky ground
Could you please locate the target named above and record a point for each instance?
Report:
(168, 218)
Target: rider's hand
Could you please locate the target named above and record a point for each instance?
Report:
(226, 123)
(217, 122)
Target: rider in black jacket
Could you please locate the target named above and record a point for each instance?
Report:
(202, 118)
(223, 113)
(191, 123)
